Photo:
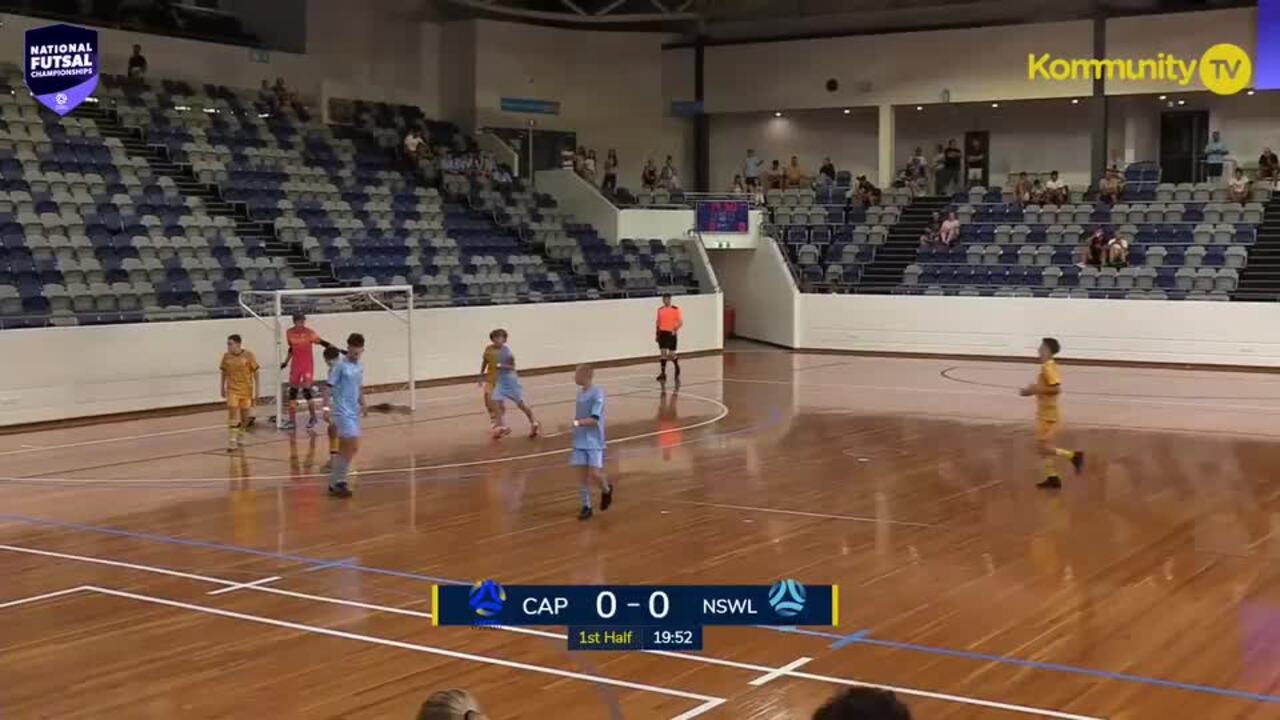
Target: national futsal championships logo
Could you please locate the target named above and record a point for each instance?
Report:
(487, 598)
(60, 65)
(786, 597)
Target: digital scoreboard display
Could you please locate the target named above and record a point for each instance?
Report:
(635, 617)
(723, 216)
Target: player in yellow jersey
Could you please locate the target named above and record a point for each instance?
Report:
(239, 388)
(489, 379)
(1046, 389)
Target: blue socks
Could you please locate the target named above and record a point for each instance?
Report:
(584, 492)
(338, 471)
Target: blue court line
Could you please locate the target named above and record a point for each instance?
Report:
(1072, 669)
(849, 639)
(330, 565)
(793, 630)
(859, 638)
(171, 540)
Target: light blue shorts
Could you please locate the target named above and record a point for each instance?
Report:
(348, 427)
(587, 458)
(509, 390)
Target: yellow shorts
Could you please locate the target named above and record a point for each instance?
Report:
(237, 401)
(1046, 429)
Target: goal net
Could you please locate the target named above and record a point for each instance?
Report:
(383, 314)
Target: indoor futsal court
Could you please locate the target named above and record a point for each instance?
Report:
(150, 574)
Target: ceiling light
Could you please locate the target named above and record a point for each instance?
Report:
(1182, 102)
(1164, 97)
(777, 114)
(1250, 92)
(919, 107)
(847, 110)
(995, 104)
(1075, 101)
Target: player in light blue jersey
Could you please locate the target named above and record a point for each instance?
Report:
(588, 440)
(508, 387)
(346, 406)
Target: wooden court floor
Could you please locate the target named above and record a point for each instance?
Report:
(146, 573)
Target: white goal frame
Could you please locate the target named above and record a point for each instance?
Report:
(275, 323)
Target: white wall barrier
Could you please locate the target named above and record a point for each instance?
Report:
(1209, 333)
(580, 198)
(758, 285)
(62, 373)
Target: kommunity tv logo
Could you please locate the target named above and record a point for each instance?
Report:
(1224, 68)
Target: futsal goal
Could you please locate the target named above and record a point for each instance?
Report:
(383, 314)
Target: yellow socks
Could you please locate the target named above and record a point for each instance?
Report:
(1068, 454)
(1050, 467)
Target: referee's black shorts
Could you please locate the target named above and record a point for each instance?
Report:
(667, 340)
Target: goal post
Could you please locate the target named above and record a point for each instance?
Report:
(379, 312)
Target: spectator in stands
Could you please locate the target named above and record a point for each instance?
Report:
(589, 167)
(284, 96)
(752, 169)
(668, 175)
(1022, 189)
(451, 705)
(1037, 192)
(794, 177)
(1096, 249)
(827, 172)
(939, 170)
(502, 176)
(1215, 154)
(610, 181)
(1118, 251)
(949, 231)
(137, 64)
(673, 180)
(414, 144)
(1110, 186)
(1056, 191)
(918, 165)
(951, 167)
(266, 96)
(773, 179)
(863, 703)
(649, 175)
(975, 163)
(865, 193)
(1238, 187)
(932, 231)
(1268, 165)
(738, 186)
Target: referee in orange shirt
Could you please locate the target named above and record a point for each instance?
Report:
(669, 324)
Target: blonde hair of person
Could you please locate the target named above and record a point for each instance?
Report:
(451, 705)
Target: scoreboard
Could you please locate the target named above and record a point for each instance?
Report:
(634, 617)
(723, 216)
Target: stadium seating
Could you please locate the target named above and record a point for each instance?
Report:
(93, 235)
(99, 226)
(1185, 241)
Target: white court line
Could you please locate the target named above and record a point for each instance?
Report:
(241, 586)
(721, 407)
(222, 426)
(1011, 392)
(801, 513)
(704, 659)
(706, 700)
(780, 671)
(38, 598)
